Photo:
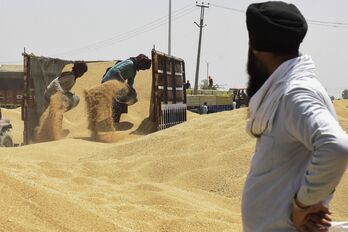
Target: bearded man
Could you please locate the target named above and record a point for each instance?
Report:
(301, 151)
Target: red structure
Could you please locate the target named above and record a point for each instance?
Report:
(11, 88)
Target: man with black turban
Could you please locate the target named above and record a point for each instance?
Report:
(301, 151)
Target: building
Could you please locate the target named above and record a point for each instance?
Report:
(11, 86)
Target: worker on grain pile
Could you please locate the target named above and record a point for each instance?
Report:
(64, 84)
(301, 151)
(210, 82)
(126, 71)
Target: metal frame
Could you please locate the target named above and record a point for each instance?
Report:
(26, 96)
(168, 102)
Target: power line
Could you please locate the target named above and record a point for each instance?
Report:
(327, 22)
(134, 32)
(153, 28)
(326, 25)
(179, 13)
(311, 21)
(228, 8)
(118, 37)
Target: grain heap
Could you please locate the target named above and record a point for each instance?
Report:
(187, 178)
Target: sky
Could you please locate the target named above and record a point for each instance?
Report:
(110, 29)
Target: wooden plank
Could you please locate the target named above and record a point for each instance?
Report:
(168, 65)
(178, 80)
(168, 79)
(153, 103)
(165, 81)
(170, 73)
(184, 80)
(170, 97)
(25, 111)
(173, 81)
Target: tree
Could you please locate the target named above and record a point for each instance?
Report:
(345, 94)
(205, 85)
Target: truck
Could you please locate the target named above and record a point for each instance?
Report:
(217, 100)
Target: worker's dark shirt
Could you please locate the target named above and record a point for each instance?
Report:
(125, 69)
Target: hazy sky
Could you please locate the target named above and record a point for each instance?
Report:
(115, 29)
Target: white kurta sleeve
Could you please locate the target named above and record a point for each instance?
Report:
(310, 122)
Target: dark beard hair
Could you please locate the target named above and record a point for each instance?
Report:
(257, 74)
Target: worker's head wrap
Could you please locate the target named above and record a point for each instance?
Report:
(141, 62)
(79, 68)
(275, 27)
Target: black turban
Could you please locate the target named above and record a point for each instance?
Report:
(275, 27)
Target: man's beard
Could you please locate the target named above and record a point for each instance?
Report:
(257, 74)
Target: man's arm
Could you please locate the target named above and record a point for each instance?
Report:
(130, 81)
(119, 76)
(130, 71)
(52, 88)
(310, 122)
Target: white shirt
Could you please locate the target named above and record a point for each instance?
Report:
(234, 105)
(305, 151)
(204, 109)
(63, 83)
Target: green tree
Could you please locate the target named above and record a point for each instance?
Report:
(345, 94)
(205, 85)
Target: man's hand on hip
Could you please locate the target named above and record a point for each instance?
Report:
(314, 218)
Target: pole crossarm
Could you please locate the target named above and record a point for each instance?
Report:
(203, 4)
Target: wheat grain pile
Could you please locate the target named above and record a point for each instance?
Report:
(187, 178)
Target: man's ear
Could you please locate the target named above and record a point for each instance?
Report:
(257, 53)
(261, 55)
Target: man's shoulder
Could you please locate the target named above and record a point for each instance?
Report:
(66, 75)
(124, 64)
(305, 86)
(306, 93)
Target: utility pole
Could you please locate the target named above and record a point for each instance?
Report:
(207, 70)
(201, 25)
(170, 27)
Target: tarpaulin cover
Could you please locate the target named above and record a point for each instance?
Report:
(42, 70)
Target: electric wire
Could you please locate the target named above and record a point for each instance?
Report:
(132, 33)
(179, 13)
(311, 21)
